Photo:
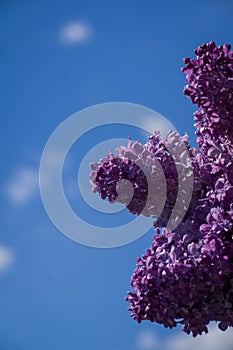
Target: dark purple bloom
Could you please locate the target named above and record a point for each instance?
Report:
(186, 277)
(210, 86)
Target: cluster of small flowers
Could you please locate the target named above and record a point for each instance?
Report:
(188, 283)
(149, 168)
(186, 276)
(210, 86)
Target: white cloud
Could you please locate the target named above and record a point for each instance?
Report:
(214, 340)
(156, 122)
(147, 340)
(75, 32)
(22, 186)
(6, 258)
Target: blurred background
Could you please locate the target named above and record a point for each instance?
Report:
(56, 58)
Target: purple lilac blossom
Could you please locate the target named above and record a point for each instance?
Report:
(186, 277)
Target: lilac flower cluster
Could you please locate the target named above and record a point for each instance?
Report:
(149, 168)
(210, 86)
(186, 277)
(188, 283)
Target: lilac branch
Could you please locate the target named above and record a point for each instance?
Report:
(186, 277)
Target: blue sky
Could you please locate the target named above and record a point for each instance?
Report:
(56, 58)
